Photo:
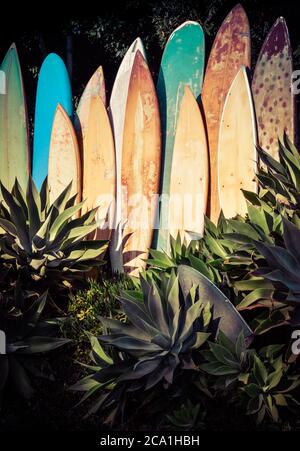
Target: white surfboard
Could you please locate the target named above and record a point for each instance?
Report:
(117, 108)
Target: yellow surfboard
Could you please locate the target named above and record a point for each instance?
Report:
(189, 179)
(237, 156)
(99, 172)
(64, 160)
(140, 166)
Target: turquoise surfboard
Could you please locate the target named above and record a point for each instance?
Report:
(182, 64)
(53, 88)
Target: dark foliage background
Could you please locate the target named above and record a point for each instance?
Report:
(101, 34)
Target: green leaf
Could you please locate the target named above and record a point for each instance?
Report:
(259, 371)
(201, 338)
(252, 390)
(256, 295)
(200, 266)
(223, 355)
(274, 378)
(258, 217)
(38, 344)
(62, 218)
(218, 369)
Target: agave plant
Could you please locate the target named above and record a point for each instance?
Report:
(169, 319)
(283, 264)
(26, 334)
(165, 328)
(229, 362)
(273, 210)
(46, 242)
(205, 255)
(260, 381)
(187, 417)
(280, 181)
(270, 386)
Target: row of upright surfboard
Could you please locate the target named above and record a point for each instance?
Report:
(192, 139)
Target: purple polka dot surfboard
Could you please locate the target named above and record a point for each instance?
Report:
(272, 89)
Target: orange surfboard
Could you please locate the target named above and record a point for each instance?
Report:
(272, 89)
(237, 158)
(99, 172)
(140, 172)
(190, 172)
(230, 51)
(64, 160)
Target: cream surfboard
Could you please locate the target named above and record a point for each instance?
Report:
(237, 156)
(140, 166)
(64, 159)
(99, 172)
(117, 115)
(189, 180)
(95, 87)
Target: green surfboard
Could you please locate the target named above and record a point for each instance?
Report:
(182, 64)
(14, 151)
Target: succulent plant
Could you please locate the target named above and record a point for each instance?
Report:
(187, 417)
(26, 333)
(205, 255)
(270, 386)
(258, 380)
(164, 328)
(229, 362)
(45, 242)
(282, 268)
(169, 319)
(280, 181)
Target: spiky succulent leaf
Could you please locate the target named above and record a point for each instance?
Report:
(43, 241)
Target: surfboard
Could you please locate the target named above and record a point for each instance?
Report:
(140, 166)
(237, 156)
(95, 87)
(53, 88)
(64, 164)
(117, 109)
(182, 64)
(271, 86)
(229, 320)
(190, 172)
(99, 171)
(230, 51)
(14, 146)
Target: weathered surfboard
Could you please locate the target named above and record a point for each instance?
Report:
(117, 109)
(230, 51)
(189, 179)
(272, 89)
(182, 64)
(99, 170)
(140, 166)
(14, 146)
(95, 87)
(237, 158)
(64, 164)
